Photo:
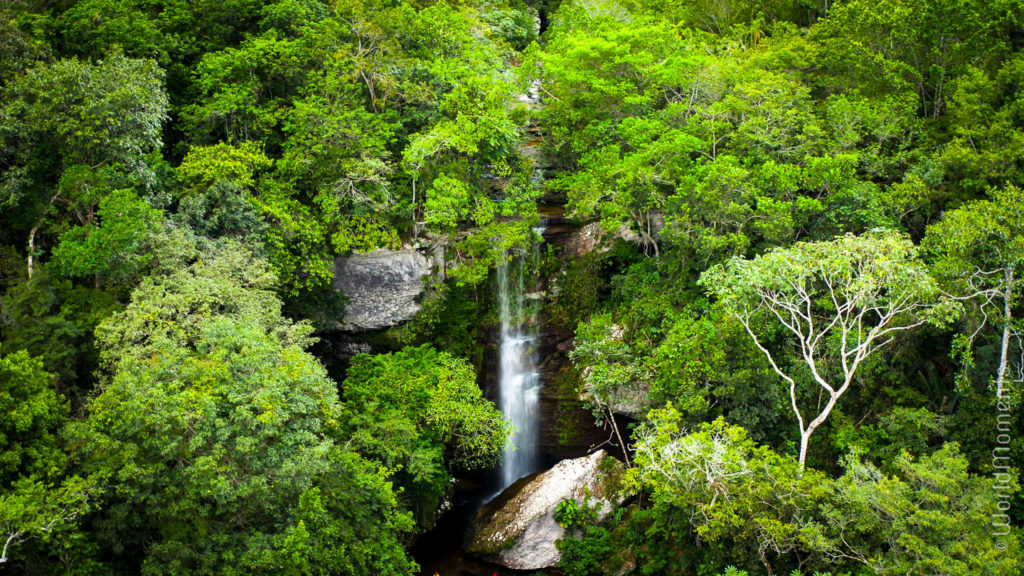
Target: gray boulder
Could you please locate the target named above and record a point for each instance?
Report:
(518, 529)
(382, 287)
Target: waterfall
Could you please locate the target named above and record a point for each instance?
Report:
(519, 379)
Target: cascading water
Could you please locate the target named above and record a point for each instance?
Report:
(519, 379)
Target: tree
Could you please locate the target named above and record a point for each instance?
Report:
(987, 136)
(731, 488)
(116, 246)
(449, 161)
(613, 374)
(929, 517)
(336, 153)
(839, 303)
(243, 90)
(34, 509)
(597, 70)
(71, 129)
(220, 437)
(33, 415)
(91, 27)
(219, 189)
(707, 366)
(420, 412)
(36, 501)
(171, 32)
(886, 44)
(21, 46)
(979, 251)
(53, 319)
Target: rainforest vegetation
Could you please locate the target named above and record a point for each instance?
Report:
(808, 290)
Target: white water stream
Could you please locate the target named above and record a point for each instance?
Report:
(519, 378)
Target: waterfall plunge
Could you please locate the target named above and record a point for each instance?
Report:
(518, 377)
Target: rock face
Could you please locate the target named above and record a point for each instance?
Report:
(589, 238)
(518, 528)
(382, 287)
(592, 237)
(630, 399)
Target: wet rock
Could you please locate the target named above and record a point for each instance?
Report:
(565, 346)
(348, 348)
(382, 287)
(518, 528)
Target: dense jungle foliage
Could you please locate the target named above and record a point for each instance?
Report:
(805, 312)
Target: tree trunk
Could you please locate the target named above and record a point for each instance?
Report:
(1007, 318)
(615, 426)
(626, 450)
(32, 245)
(805, 436)
(766, 564)
(32, 235)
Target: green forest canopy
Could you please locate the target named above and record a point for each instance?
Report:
(811, 302)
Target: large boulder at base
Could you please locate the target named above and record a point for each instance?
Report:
(382, 287)
(518, 528)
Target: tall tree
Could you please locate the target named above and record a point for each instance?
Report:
(885, 44)
(979, 250)
(71, 130)
(33, 414)
(929, 516)
(219, 437)
(837, 303)
(730, 487)
(420, 412)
